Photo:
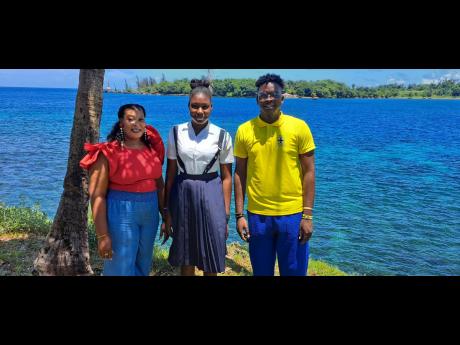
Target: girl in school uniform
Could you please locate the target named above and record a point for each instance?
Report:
(198, 198)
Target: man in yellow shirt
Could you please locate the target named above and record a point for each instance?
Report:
(275, 166)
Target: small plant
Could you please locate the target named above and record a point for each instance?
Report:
(92, 238)
(24, 219)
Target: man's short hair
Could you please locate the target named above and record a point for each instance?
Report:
(270, 78)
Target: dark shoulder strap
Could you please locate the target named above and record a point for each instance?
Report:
(179, 160)
(219, 148)
(221, 139)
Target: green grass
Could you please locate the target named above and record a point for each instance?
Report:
(18, 250)
(319, 268)
(238, 264)
(23, 219)
(24, 229)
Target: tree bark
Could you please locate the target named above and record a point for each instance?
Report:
(66, 250)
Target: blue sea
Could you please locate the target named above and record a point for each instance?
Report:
(387, 170)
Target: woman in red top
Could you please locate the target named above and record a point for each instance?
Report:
(126, 192)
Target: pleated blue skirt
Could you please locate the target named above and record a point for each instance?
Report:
(199, 222)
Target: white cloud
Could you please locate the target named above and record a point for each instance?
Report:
(430, 81)
(396, 81)
(453, 75)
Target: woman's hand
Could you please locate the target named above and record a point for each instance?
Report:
(104, 247)
(165, 229)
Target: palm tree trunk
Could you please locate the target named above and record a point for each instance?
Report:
(66, 250)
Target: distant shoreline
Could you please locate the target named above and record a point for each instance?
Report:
(288, 96)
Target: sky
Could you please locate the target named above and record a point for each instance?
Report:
(68, 78)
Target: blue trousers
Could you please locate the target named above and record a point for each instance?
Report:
(273, 236)
(133, 223)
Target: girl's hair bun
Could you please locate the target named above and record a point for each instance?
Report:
(199, 82)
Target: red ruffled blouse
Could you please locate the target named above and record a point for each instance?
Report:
(130, 170)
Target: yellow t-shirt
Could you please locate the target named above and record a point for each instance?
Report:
(274, 173)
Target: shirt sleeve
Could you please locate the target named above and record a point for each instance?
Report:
(240, 149)
(226, 155)
(156, 142)
(93, 153)
(171, 152)
(305, 142)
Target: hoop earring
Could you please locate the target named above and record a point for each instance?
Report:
(146, 137)
(122, 135)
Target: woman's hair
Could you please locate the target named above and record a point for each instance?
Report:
(115, 133)
(200, 86)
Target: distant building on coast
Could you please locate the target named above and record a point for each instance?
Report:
(108, 88)
(288, 95)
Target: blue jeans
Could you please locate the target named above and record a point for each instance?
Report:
(133, 223)
(277, 235)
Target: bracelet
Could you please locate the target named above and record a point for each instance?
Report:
(239, 215)
(306, 216)
(308, 208)
(101, 236)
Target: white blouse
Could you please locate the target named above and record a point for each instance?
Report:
(197, 151)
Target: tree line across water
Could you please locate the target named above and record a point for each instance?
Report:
(316, 89)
